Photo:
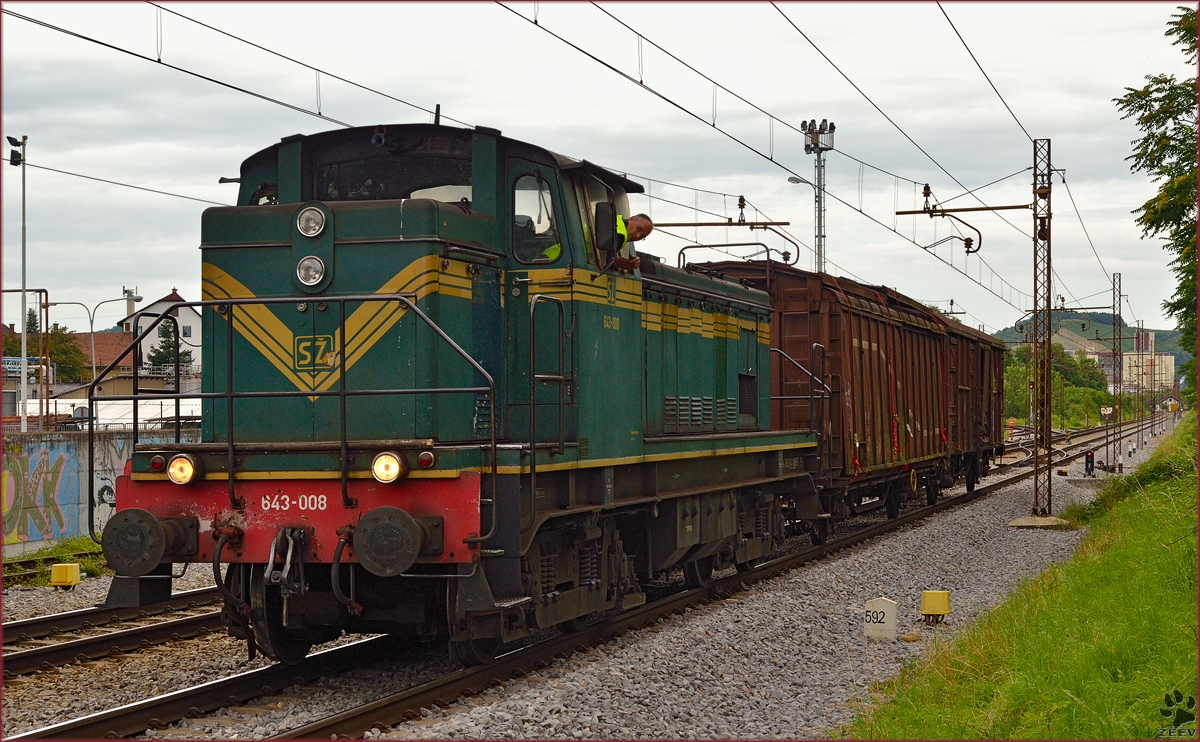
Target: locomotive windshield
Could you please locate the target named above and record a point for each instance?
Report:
(393, 165)
(395, 176)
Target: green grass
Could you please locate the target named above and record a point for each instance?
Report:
(1084, 650)
(93, 564)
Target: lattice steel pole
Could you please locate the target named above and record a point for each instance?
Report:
(1118, 366)
(1042, 306)
(1117, 332)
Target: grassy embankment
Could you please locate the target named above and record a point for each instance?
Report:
(1088, 648)
(92, 565)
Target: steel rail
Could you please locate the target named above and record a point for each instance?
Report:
(136, 717)
(86, 618)
(19, 661)
(139, 716)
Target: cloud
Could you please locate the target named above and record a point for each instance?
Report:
(92, 110)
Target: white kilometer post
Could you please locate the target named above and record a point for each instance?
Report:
(879, 619)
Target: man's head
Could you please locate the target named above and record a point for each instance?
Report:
(639, 227)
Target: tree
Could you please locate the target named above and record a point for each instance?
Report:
(63, 349)
(32, 326)
(1165, 110)
(163, 354)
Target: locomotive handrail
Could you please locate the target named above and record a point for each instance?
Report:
(226, 305)
(679, 260)
(560, 379)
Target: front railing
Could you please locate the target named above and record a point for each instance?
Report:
(226, 308)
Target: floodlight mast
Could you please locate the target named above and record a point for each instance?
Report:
(818, 139)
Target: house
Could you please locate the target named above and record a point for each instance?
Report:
(189, 327)
(109, 344)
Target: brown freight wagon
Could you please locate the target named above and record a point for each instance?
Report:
(907, 400)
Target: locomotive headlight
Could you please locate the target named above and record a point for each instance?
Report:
(310, 270)
(183, 469)
(388, 467)
(310, 221)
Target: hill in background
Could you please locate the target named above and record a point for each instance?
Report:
(1165, 341)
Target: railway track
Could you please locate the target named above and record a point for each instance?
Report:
(34, 567)
(193, 702)
(61, 638)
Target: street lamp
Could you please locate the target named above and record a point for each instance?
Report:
(129, 295)
(18, 158)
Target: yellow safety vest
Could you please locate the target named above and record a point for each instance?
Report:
(622, 232)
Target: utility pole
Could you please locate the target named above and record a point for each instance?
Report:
(818, 140)
(18, 158)
(1118, 366)
(1139, 346)
(1042, 330)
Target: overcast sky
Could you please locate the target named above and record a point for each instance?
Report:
(89, 109)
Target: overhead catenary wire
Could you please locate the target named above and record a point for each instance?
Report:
(716, 85)
(127, 185)
(318, 70)
(985, 185)
(797, 240)
(1025, 131)
(215, 81)
(1081, 224)
(985, 74)
(889, 118)
(1013, 290)
(901, 130)
(770, 156)
(300, 109)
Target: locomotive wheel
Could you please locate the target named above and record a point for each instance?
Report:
(281, 644)
(477, 651)
(931, 493)
(892, 503)
(471, 651)
(579, 623)
(698, 572)
(820, 532)
(748, 565)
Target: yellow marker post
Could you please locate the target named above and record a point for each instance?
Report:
(65, 576)
(935, 605)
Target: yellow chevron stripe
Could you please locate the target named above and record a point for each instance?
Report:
(261, 328)
(364, 327)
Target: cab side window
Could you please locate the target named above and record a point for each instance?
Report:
(535, 232)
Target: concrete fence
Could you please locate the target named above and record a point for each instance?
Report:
(44, 485)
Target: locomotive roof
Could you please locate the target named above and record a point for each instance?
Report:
(337, 138)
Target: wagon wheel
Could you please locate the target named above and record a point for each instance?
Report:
(820, 531)
(278, 642)
(698, 572)
(892, 503)
(931, 492)
(972, 477)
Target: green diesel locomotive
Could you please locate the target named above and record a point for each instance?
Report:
(432, 406)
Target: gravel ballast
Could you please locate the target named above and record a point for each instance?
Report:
(785, 658)
(22, 602)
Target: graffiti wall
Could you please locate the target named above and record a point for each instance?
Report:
(45, 487)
